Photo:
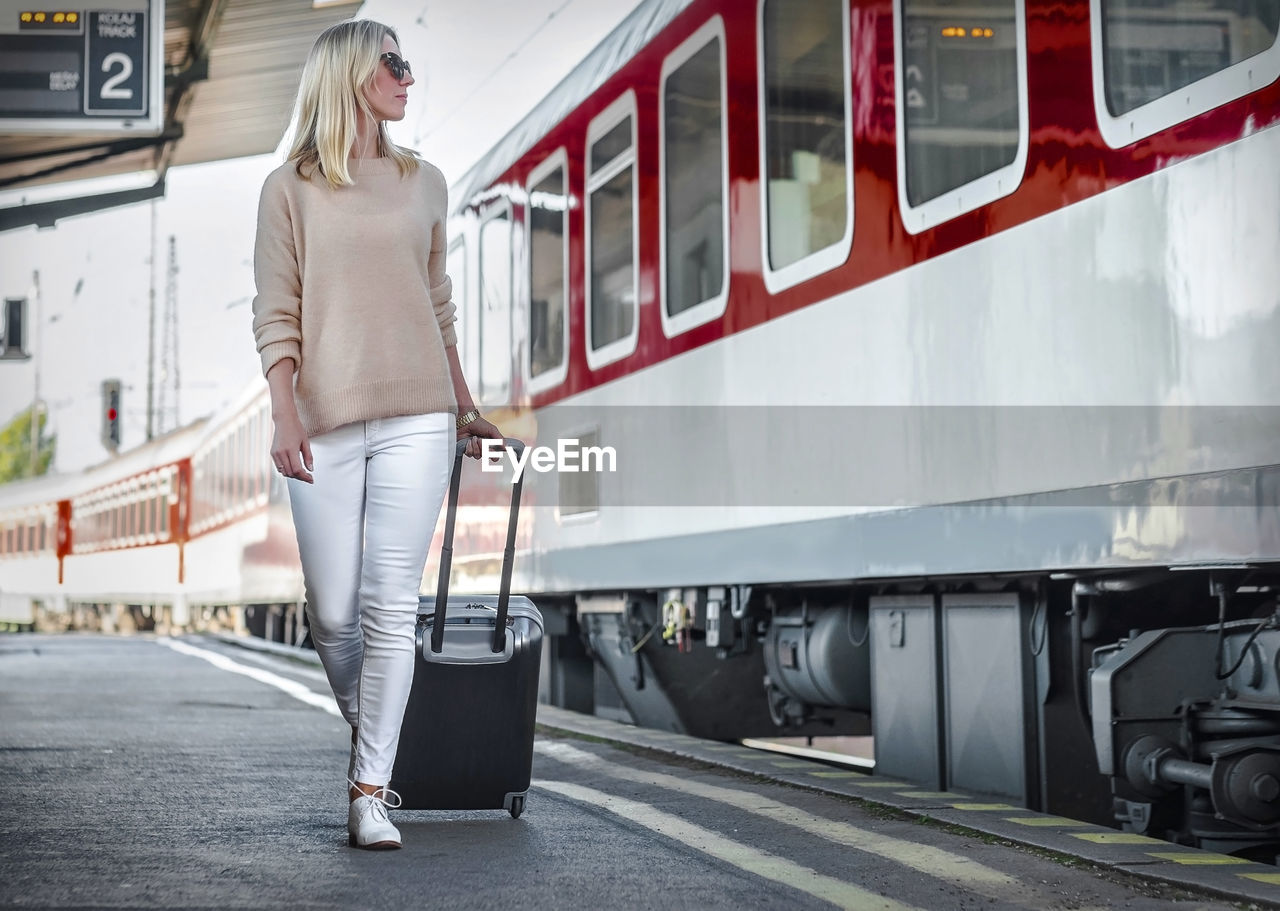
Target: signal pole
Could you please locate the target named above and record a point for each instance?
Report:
(169, 344)
(151, 332)
(35, 366)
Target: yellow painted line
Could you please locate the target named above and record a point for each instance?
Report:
(1048, 821)
(790, 764)
(745, 857)
(1271, 879)
(720, 746)
(1199, 858)
(983, 807)
(936, 862)
(1116, 838)
(872, 784)
(928, 795)
(839, 774)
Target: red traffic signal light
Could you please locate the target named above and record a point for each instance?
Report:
(111, 414)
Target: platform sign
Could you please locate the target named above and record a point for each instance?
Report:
(91, 65)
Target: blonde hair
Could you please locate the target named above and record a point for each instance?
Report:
(331, 101)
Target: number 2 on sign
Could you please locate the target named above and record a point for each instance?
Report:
(109, 89)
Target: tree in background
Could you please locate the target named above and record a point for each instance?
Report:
(15, 448)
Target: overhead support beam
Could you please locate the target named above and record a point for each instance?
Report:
(110, 149)
(194, 69)
(46, 214)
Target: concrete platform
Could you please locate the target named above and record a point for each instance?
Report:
(1149, 858)
(149, 772)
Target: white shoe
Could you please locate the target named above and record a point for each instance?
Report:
(367, 823)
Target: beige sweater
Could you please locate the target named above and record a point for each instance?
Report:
(352, 285)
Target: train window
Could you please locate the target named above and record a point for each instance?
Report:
(215, 481)
(224, 476)
(495, 307)
(456, 265)
(157, 506)
(695, 182)
(961, 85)
(1159, 62)
(548, 273)
(262, 455)
(807, 148)
(237, 470)
(244, 492)
(234, 448)
(612, 282)
(253, 457)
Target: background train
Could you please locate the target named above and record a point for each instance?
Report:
(936, 347)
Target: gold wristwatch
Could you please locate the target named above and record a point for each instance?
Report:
(467, 418)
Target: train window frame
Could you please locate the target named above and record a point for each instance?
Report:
(169, 500)
(713, 307)
(458, 247)
(549, 379)
(984, 190)
(833, 255)
(618, 110)
(491, 212)
(1200, 97)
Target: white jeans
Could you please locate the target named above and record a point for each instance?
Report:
(364, 528)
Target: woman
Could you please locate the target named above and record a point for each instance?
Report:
(354, 324)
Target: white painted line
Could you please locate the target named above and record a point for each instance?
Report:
(862, 762)
(745, 857)
(222, 662)
(293, 669)
(936, 862)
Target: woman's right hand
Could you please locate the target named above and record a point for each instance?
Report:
(291, 450)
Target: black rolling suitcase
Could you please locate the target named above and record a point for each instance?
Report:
(467, 738)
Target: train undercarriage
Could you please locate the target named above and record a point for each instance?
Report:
(1147, 700)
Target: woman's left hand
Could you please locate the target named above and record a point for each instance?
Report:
(474, 432)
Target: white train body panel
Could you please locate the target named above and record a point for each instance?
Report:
(1045, 331)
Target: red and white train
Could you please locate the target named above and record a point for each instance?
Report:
(934, 344)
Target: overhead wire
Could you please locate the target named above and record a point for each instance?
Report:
(419, 136)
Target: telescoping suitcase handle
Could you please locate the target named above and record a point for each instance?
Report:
(446, 551)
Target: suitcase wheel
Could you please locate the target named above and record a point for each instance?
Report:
(517, 807)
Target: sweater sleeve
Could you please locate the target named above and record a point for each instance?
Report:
(277, 307)
(441, 284)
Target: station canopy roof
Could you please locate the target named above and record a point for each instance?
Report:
(231, 71)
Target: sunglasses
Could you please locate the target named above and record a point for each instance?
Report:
(396, 64)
